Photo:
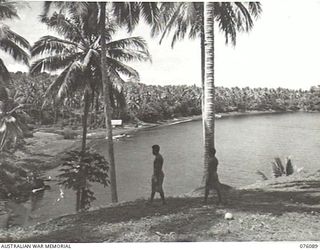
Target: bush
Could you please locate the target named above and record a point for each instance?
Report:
(81, 169)
(278, 168)
(69, 134)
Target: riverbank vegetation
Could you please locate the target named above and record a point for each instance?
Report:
(152, 103)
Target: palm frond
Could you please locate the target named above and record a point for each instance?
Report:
(52, 63)
(132, 42)
(129, 55)
(127, 14)
(122, 68)
(64, 27)
(226, 18)
(186, 19)
(91, 56)
(53, 45)
(244, 20)
(8, 10)
(117, 81)
(75, 9)
(151, 14)
(47, 5)
(289, 167)
(196, 27)
(255, 8)
(68, 7)
(5, 77)
(9, 129)
(68, 80)
(166, 10)
(14, 50)
(277, 167)
(7, 33)
(171, 23)
(263, 176)
(53, 88)
(73, 79)
(194, 18)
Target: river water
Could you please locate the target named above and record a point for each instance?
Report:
(244, 145)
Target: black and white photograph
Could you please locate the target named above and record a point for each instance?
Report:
(126, 122)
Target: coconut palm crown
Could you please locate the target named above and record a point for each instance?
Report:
(187, 19)
(78, 53)
(10, 42)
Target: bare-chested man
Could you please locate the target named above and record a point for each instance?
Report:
(158, 176)
(212, 180)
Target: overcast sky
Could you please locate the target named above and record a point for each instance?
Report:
(283, 49)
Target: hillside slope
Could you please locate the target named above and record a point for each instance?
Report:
(284, 209)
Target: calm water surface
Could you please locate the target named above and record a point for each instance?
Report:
(245, 144)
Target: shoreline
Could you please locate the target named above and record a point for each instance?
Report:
(48, 145)
(130, 129)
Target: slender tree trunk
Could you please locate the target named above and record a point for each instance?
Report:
(209, 88)
(78, 199)
(92, 105)
(85, 120)
(40, 116)
(107, 105)
(55, 112)
(202, 47)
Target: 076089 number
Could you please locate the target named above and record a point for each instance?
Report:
(308, 245)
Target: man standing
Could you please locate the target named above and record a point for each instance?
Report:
(158, 176)
(212, 180)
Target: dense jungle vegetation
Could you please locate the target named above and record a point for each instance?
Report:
(136, 101)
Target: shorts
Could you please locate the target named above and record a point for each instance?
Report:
(156, 183)
(212, 180)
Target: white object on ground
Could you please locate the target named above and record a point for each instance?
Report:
(37, 189)
(228, 216)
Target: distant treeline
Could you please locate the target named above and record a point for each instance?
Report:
(151, 103)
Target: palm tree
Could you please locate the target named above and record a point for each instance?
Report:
(16, 46)
(127, 14)
(78, 55)
(107, 103)
(10, 42)
(197, 20)
(11, 126)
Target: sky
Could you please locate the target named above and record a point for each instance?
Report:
(282, 50)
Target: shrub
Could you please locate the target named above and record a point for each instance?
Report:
(278, 169)
(81, 169)
(69, 134)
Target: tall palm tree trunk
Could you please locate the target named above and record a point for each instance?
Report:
(107, 105)
(85, 120)
(202, 47)
(96, 111)
(209, 88)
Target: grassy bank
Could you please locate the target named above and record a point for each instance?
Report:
(285, 209)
